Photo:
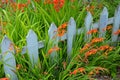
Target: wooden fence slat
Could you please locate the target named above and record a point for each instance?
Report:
(71, 33)
(52, 32)
(88, 23)
(103, 22)
(116, 24)
(9, 62)
(32, 46)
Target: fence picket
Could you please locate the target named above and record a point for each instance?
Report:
(88, 23)
(52, 32)
(116, 24)
(32, 46)
(103, 22)
(9, 62)
(71, 33)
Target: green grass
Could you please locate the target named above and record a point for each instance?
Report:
(39, 19)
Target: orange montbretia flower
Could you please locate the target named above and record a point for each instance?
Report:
(53, 49)
(61, 33)
(74, 72)
(92, 31)
(97, 71)
(19, 6)
(64, 25)
(117, 32)
(107, 28)
(81, 70)
(95, 40)
(62, 29)
(4, 79)
(90, 52)
(85, 47)
(105, 47)
(58, 4)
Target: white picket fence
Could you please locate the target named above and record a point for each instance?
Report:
(7, 56)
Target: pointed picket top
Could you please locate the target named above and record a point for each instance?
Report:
(103, 22)
(32, 46)
(9, 62)
(71, 33)
(88, 20)
(6, 45)
(88, 23)
(116, 24)
(52, 31)
(31, 37)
